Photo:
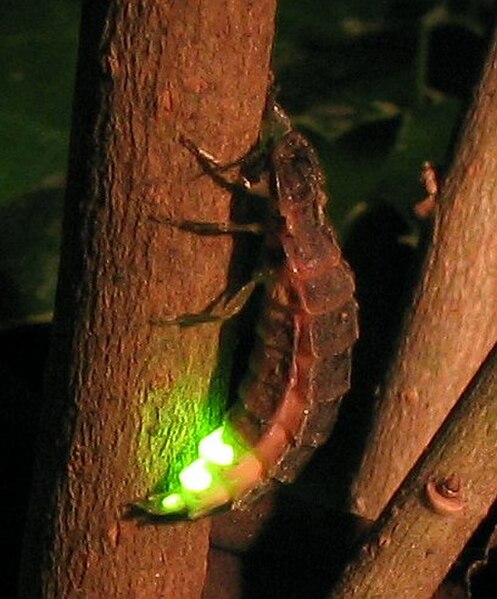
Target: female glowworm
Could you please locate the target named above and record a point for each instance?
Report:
(300, 366)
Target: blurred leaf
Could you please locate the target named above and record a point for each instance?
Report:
(427, 133)
(37, 63)
(29, 253)
(37, 66)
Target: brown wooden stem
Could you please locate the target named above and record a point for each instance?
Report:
(437, 508)
(453, 322)
(149, 72)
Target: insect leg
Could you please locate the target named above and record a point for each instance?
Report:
(253, 165)
(223, 308)
(212, 228)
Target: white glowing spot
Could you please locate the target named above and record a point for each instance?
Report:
(215, 450)
(196, 476)
(172, 503)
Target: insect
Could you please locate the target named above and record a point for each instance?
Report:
(300, 365)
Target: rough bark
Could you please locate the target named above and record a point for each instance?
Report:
(149, 72)
(452, 324)
(437, 508)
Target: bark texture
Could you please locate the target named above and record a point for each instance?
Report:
(149, 72)
(452, 326)
(437, 508)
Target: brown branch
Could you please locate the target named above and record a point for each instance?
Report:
(149, 72)
(453, 322)
(437, 508)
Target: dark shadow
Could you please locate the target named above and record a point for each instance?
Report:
(300, 552)
(23, 351)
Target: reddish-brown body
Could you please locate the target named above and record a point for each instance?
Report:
(300, 367)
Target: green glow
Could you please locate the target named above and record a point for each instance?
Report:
(196, 476)
(215, 450)
(172, 503)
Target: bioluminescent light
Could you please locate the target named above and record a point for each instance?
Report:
(215, 450)
(196, 477)
(172, 503)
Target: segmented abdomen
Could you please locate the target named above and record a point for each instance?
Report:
(300, 367)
